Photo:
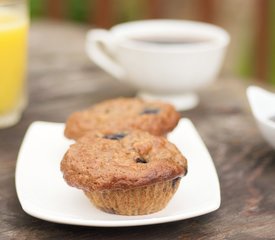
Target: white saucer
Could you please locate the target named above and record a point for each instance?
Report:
(181, 102)
(44, 194)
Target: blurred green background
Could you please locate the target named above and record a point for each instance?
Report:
(251, 24)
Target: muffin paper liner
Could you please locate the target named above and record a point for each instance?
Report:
(136, 201)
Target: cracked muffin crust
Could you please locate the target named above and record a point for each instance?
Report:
(100, 161)
(155, 117)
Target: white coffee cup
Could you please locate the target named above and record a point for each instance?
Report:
(163, 59)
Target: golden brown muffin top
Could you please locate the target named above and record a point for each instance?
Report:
(123, 160)
(123, 114)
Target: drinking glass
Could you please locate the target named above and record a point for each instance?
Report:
(14, 25)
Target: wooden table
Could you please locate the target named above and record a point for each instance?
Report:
(62, 80)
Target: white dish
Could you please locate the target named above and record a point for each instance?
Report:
(44, 194)
(262, 104)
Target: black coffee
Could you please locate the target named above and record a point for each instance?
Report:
(171, 40)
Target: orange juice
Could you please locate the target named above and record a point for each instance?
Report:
(13, 44)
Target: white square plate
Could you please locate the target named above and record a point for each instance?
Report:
(44, 194)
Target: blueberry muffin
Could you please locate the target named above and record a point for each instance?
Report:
(125, 173)
(123, 114)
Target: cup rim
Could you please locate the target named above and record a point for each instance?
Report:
(222, 38)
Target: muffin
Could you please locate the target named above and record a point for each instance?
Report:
(125, 173)
(156, 118)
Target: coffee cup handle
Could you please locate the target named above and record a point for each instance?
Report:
(101, 50)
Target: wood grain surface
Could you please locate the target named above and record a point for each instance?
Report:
(62, 79)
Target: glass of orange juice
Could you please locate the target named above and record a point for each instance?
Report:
(14, 24)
